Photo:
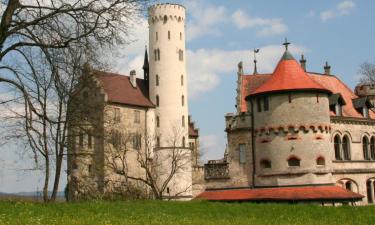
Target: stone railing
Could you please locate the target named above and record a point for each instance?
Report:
(216, 169)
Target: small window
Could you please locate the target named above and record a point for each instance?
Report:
(265, 164)
(165, 19)
(80, 139)
(242, 152)
(320, 161)
(158, 53)
(158, 142)
(157, 80)
(137, 139)
(183, 121)
(117, 116)
(180, 35)
(293, 161)
(259, 105)
(157, 121)
(183, 100)
(137, 116)
(182, 80)
(155, 54)
(157, 100)
(169, 35)
(156, 36)
(183, 142)
(181, 55)
(89, 140)
(265, 103)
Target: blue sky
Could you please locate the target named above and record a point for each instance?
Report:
(221, 33)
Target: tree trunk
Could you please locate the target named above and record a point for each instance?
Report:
(46, 179)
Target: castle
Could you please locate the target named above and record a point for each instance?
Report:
(296, 136)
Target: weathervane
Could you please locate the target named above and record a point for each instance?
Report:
(255, 60)
(286, 43)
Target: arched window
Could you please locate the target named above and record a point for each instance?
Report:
(372, 148)
(183, 100)
(165, 19)
(320, 161)
(370, 197)
(182, 80)
(294, 161)
(157, 80)
(337, 143)
(346, 147)
(157, 100)
(365, 149)
(265, 164)
(183, 121)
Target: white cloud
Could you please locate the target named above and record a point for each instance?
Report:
(342, 9)
(203, 18)
(205, 66)
(266, 27)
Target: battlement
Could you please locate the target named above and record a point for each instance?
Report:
(166, 11)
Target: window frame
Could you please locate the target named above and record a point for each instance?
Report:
(242, 153)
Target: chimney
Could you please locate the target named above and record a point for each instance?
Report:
(133, 78)
(303, 62)
(327, 69)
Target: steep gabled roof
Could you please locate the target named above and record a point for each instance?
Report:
(120, 90)
(288, 76)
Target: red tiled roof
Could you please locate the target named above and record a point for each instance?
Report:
(309, 193)
(330, 82)
(288, 76)
(119, 89)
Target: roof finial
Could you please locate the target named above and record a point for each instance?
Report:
(286, 43)
(255, 61)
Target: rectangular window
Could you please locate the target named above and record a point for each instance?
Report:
(89, 139)
(158, 142)
(259, 105)
(137, 116)
(169, 35)
(266, 103)
(117, 116)
(181, 55)
(180, 36)
(157, 121)
(137, 138)
(156, 36)
(242, 151)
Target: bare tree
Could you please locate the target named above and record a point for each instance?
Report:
(43, 45)
(367, 72)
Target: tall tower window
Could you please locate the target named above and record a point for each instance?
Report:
(183, 121)
(156, 36)
(137, 116)
(183, 100)
(157, 121)
(157, 141)
(157, 100)
(169, 35)
(337, 144)
(242, 152)
(365, 148)
(346, 147)
(259, 105)
(181, 55)
(183, 141)
(182, 80)
(180, 35)
(157, 54)
(266, 103)
(157, 80)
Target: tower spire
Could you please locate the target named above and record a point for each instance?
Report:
(255, 61)
(145, 66)
(286, 44)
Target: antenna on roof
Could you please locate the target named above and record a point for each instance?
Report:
(286, 43)
(255, 61)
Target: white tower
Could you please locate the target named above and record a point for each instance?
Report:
(168, 89)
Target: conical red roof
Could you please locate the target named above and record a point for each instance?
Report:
(289, 76)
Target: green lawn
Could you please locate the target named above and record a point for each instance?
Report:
(195, 212)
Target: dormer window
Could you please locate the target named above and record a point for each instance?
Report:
(336, 101)
(362, 105)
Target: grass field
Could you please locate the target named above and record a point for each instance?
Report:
(195, 212)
